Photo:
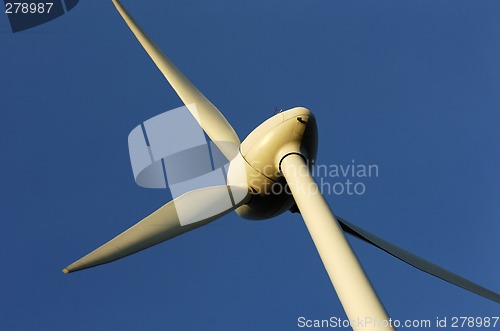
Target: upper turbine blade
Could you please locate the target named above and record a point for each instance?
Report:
(208, 116)
(417, 261)
(187, 212)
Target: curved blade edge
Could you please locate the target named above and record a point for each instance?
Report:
(417, 262)
(208, 116)
(169, 221)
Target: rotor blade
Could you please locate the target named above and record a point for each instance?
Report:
(193, 209)
(208, 116)
(417, 261)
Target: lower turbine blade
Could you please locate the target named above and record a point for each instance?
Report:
(187, 212)
(417, 261)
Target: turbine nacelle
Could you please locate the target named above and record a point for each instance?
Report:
(293, 131)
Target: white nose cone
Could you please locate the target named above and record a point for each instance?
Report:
(291, 131)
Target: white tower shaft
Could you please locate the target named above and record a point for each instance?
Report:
(360, 302)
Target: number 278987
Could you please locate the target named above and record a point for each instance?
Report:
(28, 8)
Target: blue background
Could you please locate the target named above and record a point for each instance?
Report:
(412, 86)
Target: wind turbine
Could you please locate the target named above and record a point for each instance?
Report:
(281, 150)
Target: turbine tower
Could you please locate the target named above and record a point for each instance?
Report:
(279, 151)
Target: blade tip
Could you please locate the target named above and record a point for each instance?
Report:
(65, 270)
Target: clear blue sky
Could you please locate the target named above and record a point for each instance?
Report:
(412, 86)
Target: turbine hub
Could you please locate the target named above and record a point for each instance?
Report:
(293, 131)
